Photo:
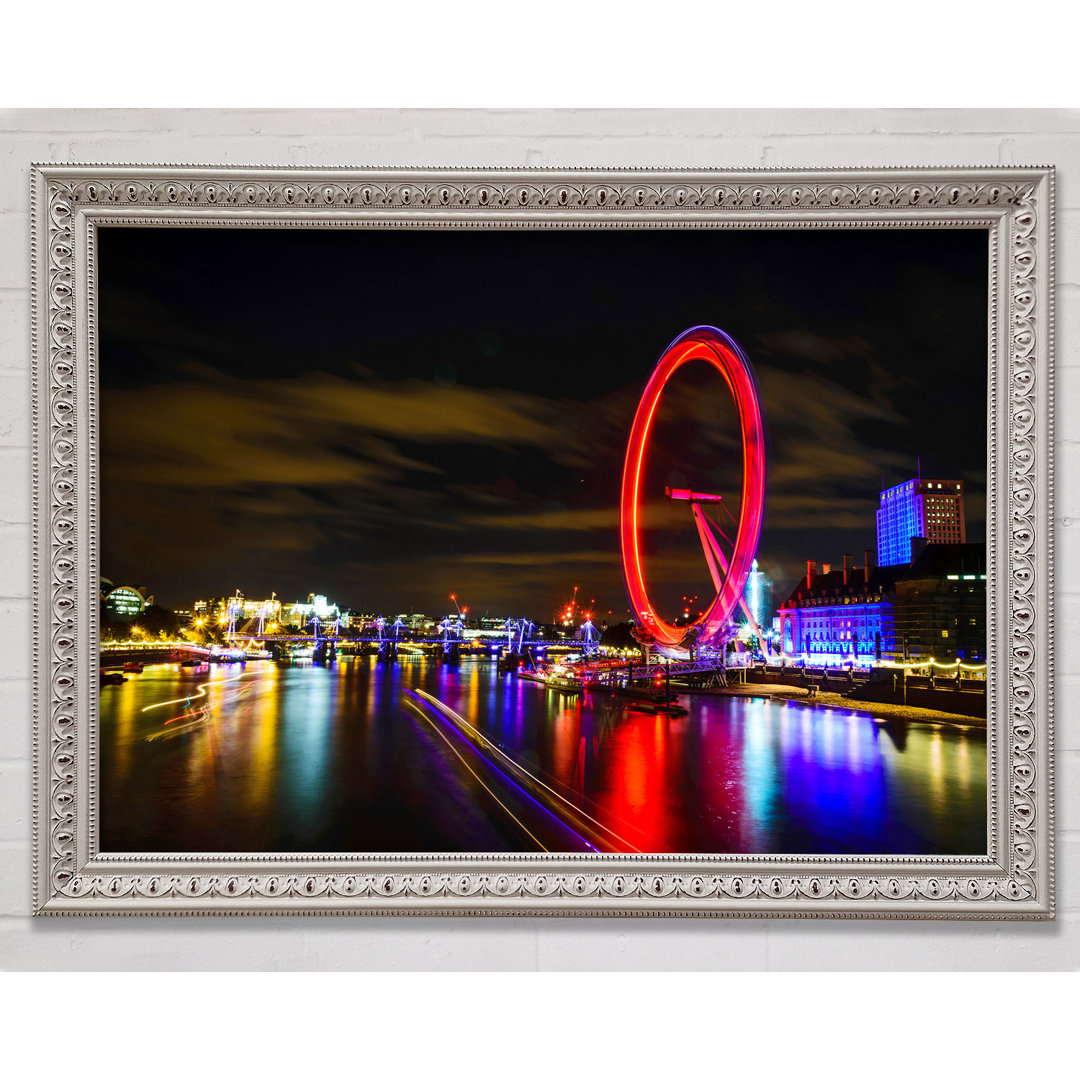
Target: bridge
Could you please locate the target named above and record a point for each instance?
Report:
(488, 642)
(166, 652)
(114, 654)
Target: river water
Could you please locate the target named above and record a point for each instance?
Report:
(354, 757)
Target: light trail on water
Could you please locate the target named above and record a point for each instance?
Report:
(427, 719)
(201, 687)
(456, 717)
(198, 716)
(564, 836)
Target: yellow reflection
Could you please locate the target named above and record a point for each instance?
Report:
(963, 763)
(937, 768)
(264, 728)
(473, 707)
(125, 715)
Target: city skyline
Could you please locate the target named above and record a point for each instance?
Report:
(448, 601)
(394, 445)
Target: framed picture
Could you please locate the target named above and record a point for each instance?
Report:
(501, 542)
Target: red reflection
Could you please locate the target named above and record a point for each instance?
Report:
(634, 790)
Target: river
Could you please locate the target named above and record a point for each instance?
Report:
(359, 756)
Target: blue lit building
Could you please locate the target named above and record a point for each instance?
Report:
(932, 608)
(840, 616)
(932, 509)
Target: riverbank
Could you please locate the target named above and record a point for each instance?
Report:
(827, 699)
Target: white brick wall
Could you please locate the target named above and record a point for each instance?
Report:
(515, 137)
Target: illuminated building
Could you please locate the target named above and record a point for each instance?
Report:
(252, 609)
(941, 605)
(217, 610)
(217, 606)
(122, 603)
(316, 606)
(840, 616)
(933, 608)
(212, 609)
(931, 509)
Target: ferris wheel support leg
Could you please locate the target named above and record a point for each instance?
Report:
(714, 553)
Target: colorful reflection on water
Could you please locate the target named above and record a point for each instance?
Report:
(343, 758)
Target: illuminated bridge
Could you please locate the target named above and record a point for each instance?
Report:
(486, 642)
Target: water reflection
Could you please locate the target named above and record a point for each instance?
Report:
(311, 758)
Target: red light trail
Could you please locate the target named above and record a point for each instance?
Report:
(723, 353)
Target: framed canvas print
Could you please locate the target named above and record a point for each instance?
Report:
(587, 542)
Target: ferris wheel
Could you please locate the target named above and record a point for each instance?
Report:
(728, 569)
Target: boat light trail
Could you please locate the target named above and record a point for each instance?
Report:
(531, 800)
(427, 719)
(456, 716)
(201, 687)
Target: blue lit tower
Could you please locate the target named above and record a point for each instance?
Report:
(922, 507)
(755, 593)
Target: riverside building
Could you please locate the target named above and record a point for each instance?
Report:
(934, 608)
(122, 603)
(840, 616)
(924, 600)
(931, 509)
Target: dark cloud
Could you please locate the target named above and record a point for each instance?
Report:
(559, 519)
(811, 346)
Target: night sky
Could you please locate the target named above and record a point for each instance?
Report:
(388, 416)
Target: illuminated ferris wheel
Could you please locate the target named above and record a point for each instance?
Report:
(728, 570)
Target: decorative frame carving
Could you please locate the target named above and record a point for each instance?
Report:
(1014, 880)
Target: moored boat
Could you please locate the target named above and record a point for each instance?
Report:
(564, 684)
(669, 708)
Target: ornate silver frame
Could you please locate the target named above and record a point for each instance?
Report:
(1015, 880)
